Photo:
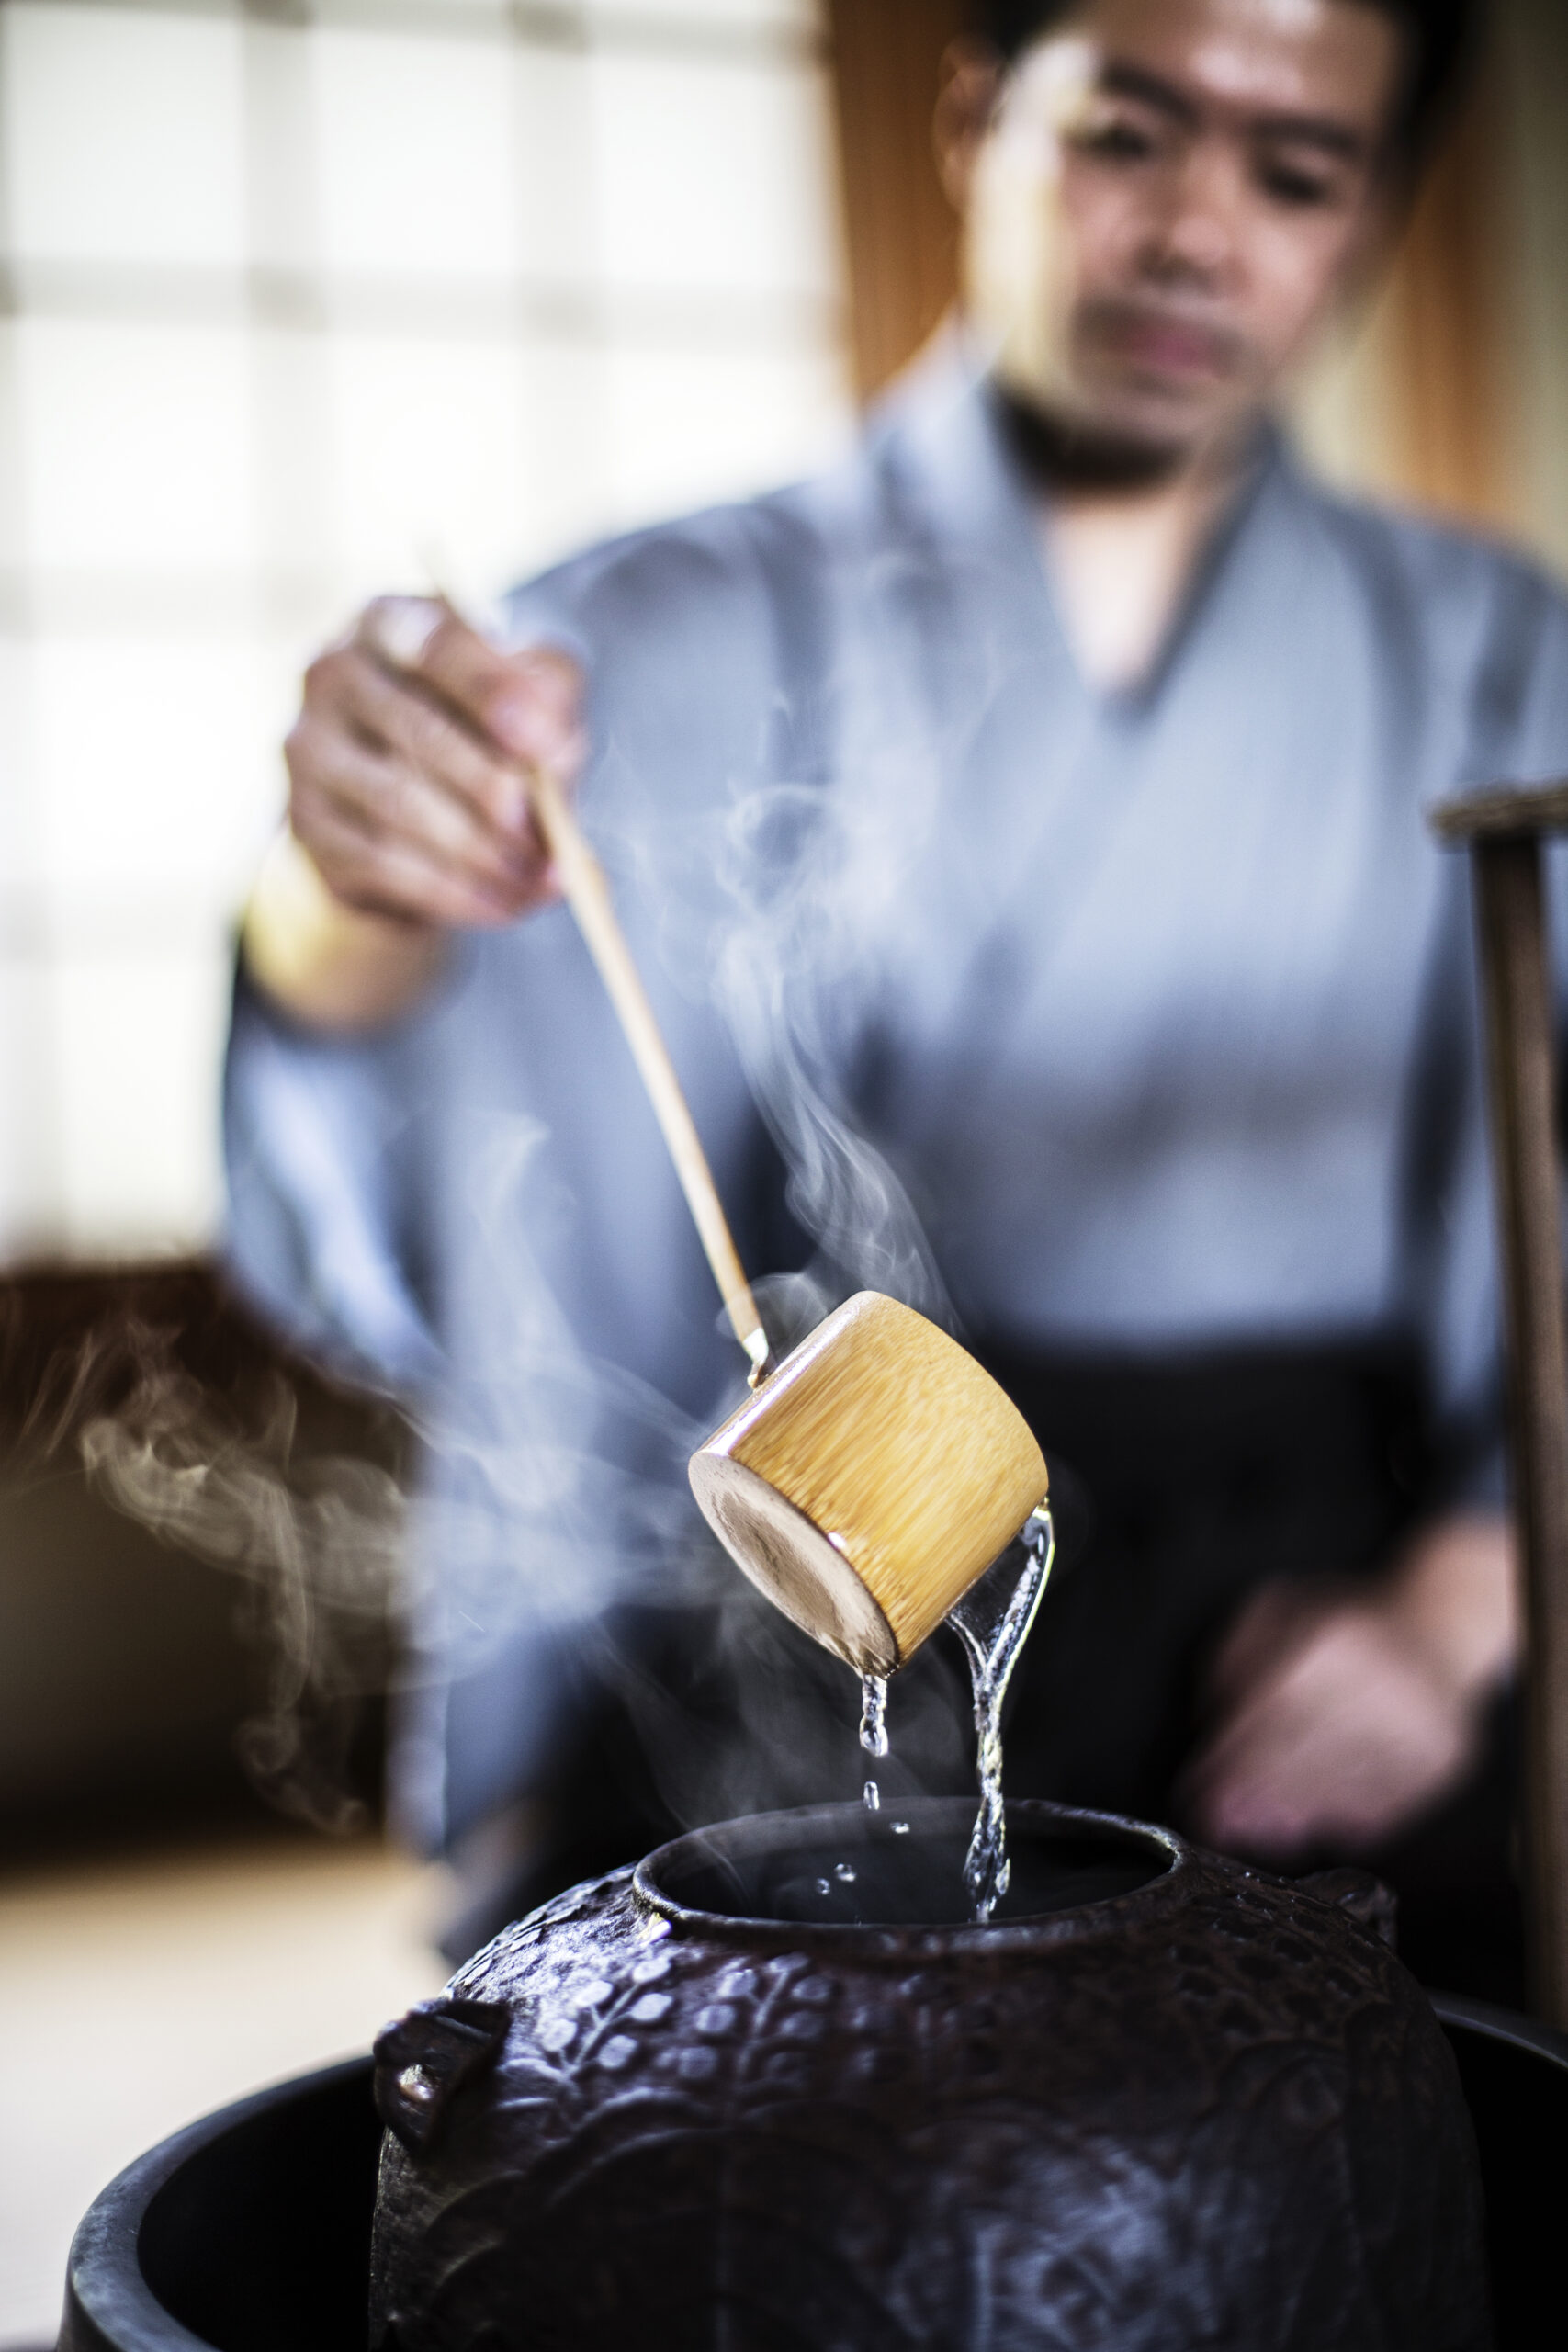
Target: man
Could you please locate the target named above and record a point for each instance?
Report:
(1024, 829)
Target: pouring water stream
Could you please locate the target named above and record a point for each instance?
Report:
(993, 1621)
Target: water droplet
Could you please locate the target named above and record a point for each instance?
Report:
(823, 1887)
(844, 1871)
(901, 1828)
(873, 1711)
(872, 1797)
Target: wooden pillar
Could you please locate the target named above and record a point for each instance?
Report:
(1503, 828)
(1447, 306)
(900, 232)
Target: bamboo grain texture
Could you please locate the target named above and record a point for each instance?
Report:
(902, 1457)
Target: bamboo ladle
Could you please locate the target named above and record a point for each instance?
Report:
(587, 894)
(875, 1473)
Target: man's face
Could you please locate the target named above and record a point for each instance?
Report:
(1167, 201)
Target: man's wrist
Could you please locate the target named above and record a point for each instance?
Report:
(1452, 1597)
(330, 966)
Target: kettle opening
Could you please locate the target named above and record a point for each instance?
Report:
(903, 1867)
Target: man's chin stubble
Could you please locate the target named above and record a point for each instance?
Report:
(1063, 452)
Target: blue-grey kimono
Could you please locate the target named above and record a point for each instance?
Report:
(1105, 1026)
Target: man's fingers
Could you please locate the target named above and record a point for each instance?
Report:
(381, 874)
(539, 716)
(528, 704)
(388, 801)
(404, 786)
(359, 722)
(1343, 1741)
(402, 719)
(394, 800)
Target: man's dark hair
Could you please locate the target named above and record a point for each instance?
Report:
(1441, 34)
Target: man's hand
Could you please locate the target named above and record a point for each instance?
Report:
(1343, 1714)
(406, 762)
(408, 811)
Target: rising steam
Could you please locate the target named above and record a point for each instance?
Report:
(550, 1506)
(221, 1471)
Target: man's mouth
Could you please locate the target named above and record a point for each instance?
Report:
(1161, 345)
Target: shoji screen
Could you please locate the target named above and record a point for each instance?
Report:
(296, 297)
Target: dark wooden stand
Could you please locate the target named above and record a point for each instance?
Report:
(1502, 828)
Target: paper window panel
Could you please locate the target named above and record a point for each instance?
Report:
(691, 426)
(124, 134)
(13, 546)
(292, 460)
(553, 160)
(136, 445)
(31, 1209)
(21, 861)
(798, 18)
(426, 457)
(300, 309)
(137, 1036)
(714, 176)
(568, 496)
(155, 774)
(414, 156)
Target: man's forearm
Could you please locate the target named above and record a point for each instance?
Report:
(1345, 1711)
(327, 966)
(1455, 1594)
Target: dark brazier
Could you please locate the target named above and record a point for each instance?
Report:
(771, 2092)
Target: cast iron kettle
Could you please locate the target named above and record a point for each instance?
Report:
(771, 2093)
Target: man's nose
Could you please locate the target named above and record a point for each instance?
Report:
(1194, 234)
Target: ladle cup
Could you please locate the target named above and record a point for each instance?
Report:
(870, 1480)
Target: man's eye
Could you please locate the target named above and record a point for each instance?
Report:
(1287, 185)
(1116, 142)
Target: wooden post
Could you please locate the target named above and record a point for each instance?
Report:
(902, 238)
(1503, 828)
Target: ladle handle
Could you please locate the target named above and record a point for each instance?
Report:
(588, 895)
